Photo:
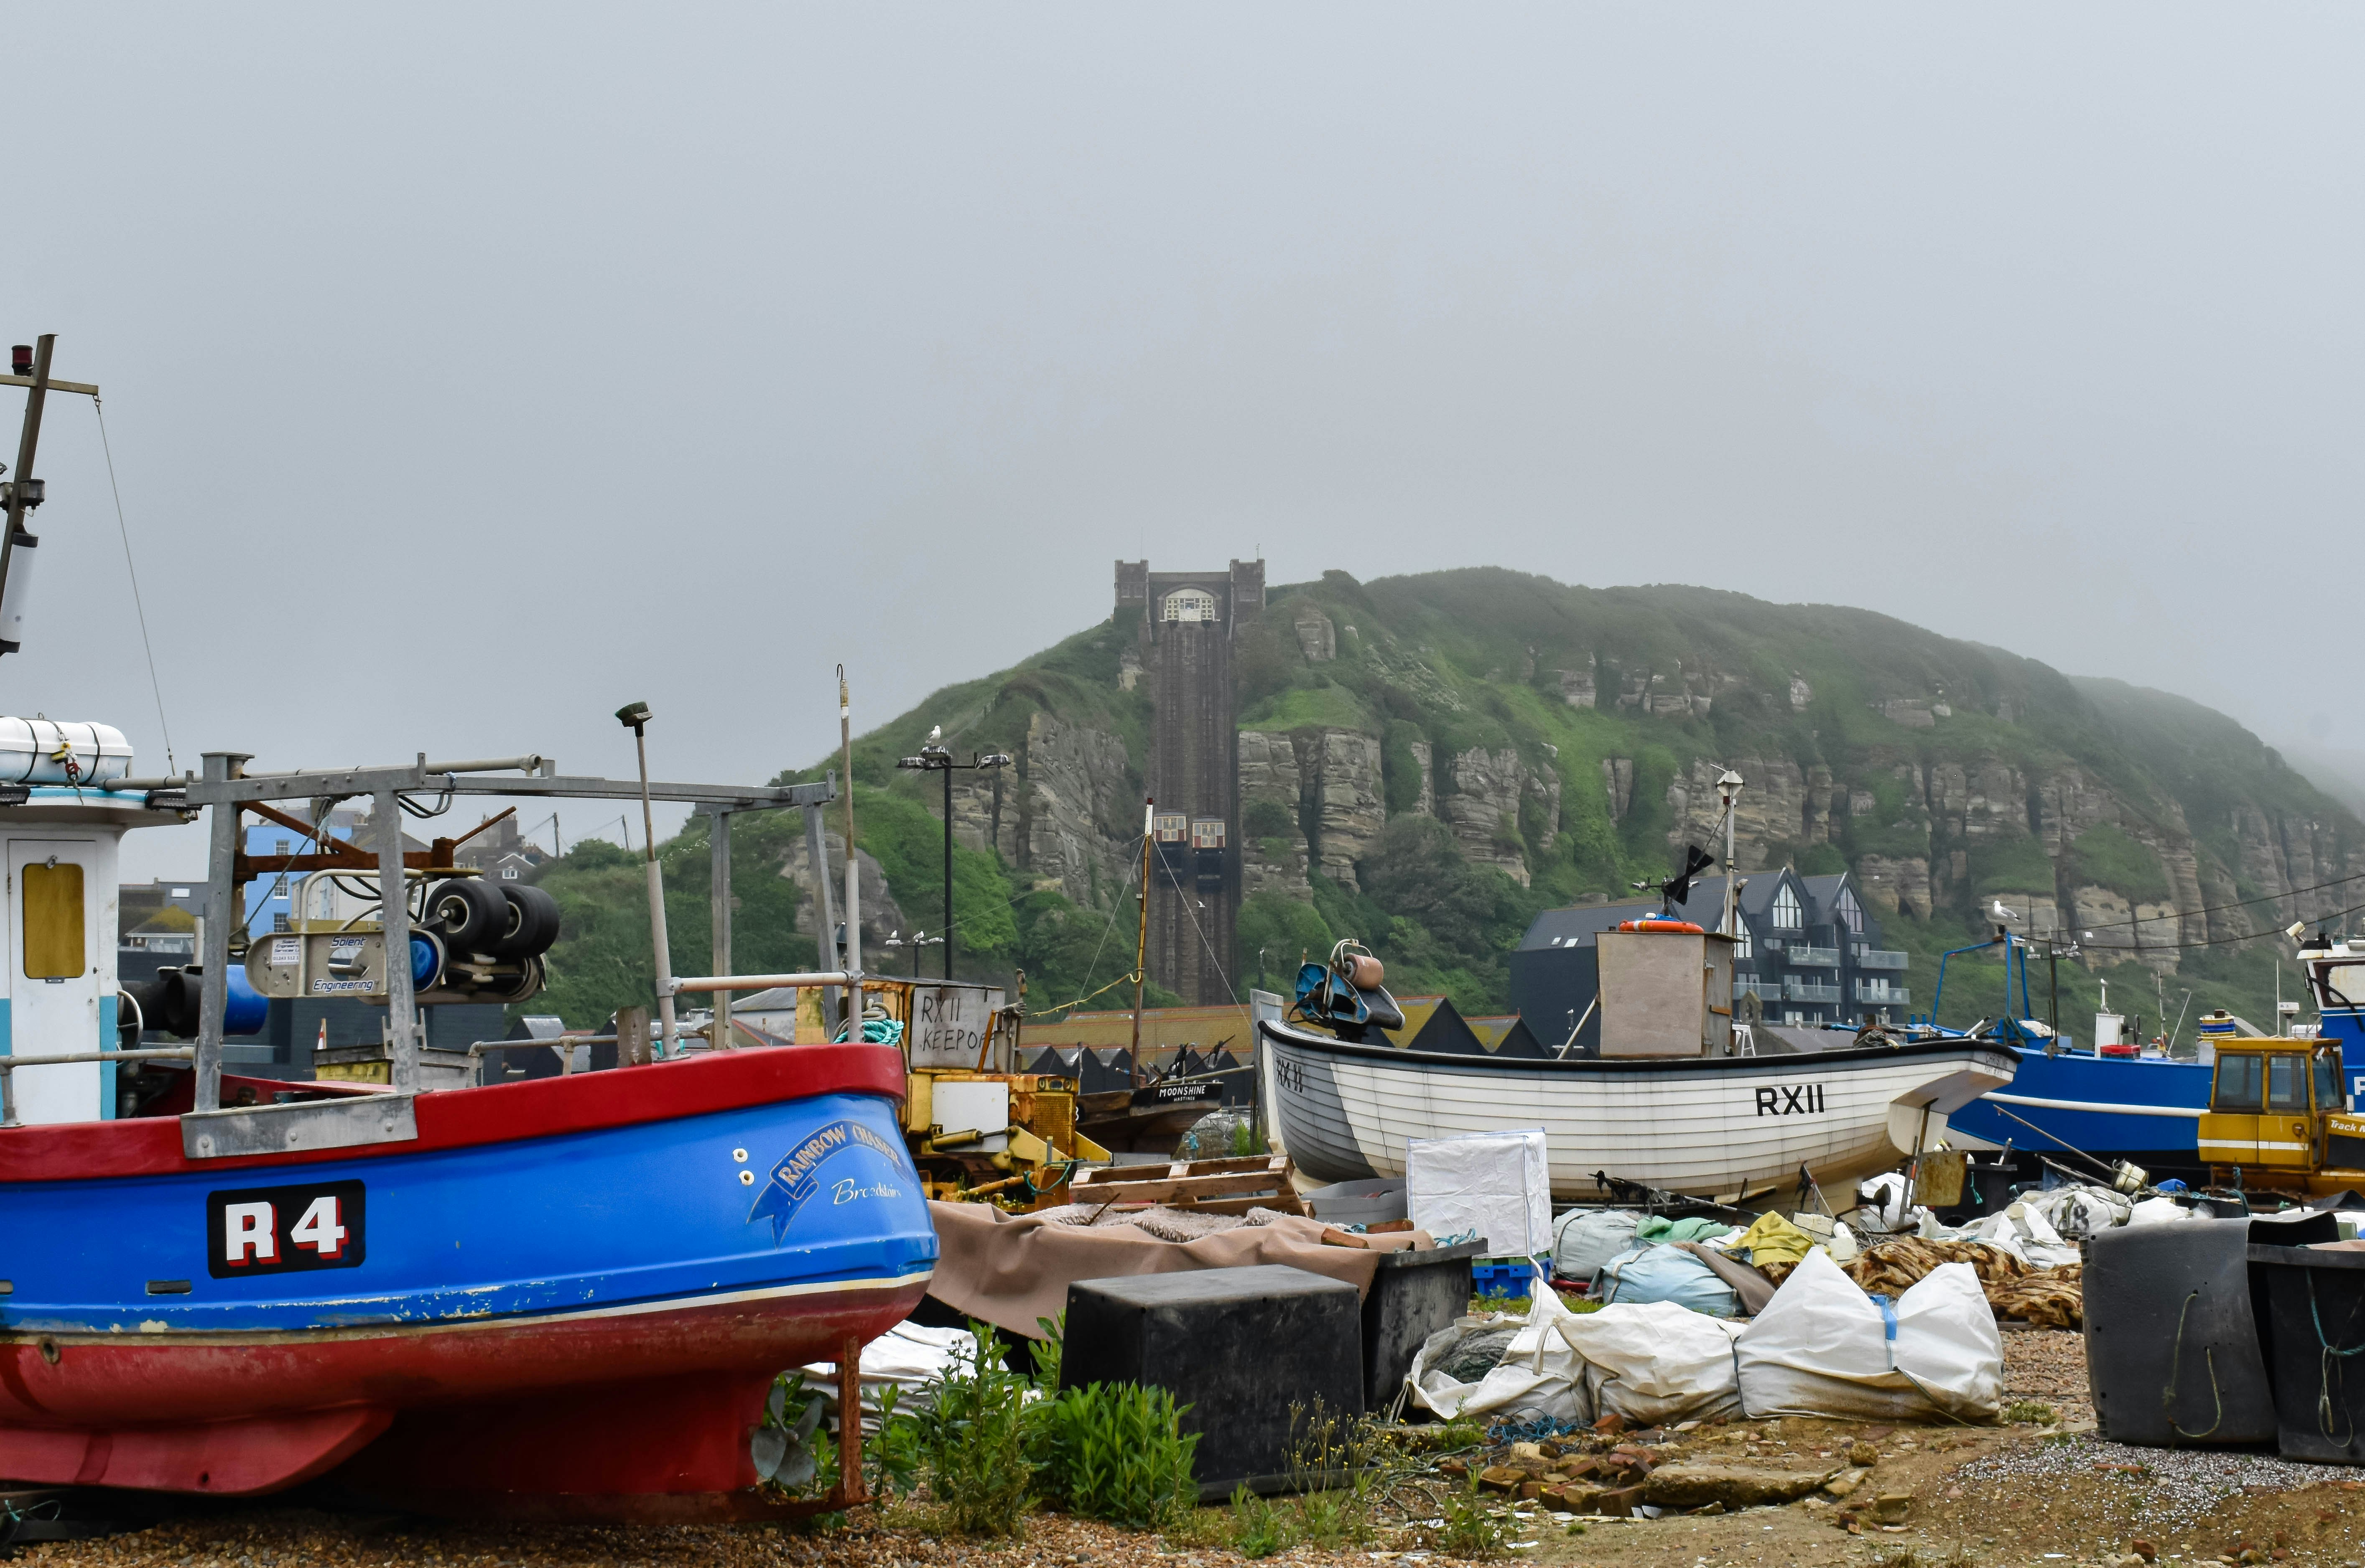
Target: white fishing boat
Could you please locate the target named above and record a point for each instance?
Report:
(1675, 1096)
(1712, 1126)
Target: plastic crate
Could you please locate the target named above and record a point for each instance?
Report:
(1502, 1276)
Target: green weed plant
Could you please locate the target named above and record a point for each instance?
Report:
(972, 1444)
(1116, 1452)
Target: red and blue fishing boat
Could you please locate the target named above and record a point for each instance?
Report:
(565, 1297)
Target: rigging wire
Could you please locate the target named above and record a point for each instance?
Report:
(1131, 870)
(124, 531)
(2238, 904)
(2213, 941)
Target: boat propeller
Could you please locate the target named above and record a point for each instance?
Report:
(784, 1450)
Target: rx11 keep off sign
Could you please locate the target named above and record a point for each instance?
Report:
(273, 1230)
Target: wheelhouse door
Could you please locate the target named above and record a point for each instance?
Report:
(54, 899)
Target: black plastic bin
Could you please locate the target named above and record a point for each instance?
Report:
(1249, 1351)
(1413, 1295)
(2173, 1320)
(2315, 1315)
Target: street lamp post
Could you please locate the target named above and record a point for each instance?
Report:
(936, 759)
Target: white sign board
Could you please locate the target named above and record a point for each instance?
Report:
(948, 1026)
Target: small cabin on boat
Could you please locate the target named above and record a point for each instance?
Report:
(62, 833)
(1807, 946)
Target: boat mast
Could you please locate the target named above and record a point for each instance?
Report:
(1728, 788)
(853, 870)
(22, 492)
(634, 716)
(1141, 938)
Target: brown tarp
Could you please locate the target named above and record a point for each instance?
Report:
(1011, 1269)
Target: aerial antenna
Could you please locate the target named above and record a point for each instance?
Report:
(1678, 888)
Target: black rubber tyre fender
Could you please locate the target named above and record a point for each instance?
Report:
(533, 922)
(470, 913)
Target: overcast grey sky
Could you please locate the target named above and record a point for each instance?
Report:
(588, 354)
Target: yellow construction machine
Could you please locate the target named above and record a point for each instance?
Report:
(2279, 1119)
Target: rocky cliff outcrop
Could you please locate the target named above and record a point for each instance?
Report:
(1424, 762)
(1344, 797)
(1067, 808)
(1618, 782)
(1273, 793)
(881, 916)
(1330, 778)
(1484, 808)
(1781, 806)
(1895, 884)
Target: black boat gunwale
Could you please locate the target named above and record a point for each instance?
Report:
(1786, 1064)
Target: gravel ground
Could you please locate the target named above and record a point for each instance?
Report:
(2049, 1365)
(2018, 1495)
(297, 1538)
(2176, 1487)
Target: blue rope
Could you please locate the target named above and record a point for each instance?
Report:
(1532, 1431)
(2327, 1362)
(877, 1032)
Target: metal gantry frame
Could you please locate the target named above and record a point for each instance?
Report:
(225, 790)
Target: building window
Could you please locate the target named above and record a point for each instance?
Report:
(279, 923)
(1851, 912)
(1740, 949)
(281, 845)
(1786, 916)
(1190, 605)
(508, 873)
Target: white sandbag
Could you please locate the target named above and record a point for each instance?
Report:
(2160, 1211)
(1655, 1363)
(1584, 1239)
(1537, 1376)
(1822, 1347)
(1494, 1183)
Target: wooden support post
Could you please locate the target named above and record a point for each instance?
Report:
(850, 1490)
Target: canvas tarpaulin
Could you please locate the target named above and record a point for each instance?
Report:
(1656, 1271)
(1584, 1239)
(1012, 1269)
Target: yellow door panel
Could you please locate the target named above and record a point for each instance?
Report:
(2284, 1130)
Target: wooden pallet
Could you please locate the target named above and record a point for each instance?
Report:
(1205, 1186)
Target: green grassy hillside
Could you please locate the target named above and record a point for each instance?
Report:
(1942, 772)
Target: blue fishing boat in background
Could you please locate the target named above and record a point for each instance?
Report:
(2125, 1103)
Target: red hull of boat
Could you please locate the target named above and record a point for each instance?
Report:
(500, 1417)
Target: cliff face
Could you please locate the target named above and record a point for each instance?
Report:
(1068, 809)
(1571, 739)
